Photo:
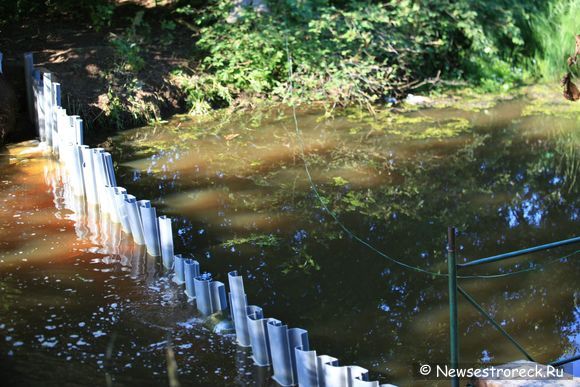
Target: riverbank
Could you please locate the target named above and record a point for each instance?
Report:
(100, 85)
(135, 62)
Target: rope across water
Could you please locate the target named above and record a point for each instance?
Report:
(356, 237)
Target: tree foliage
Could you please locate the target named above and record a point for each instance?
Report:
(359, 51)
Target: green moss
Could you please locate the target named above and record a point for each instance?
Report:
(468, 99)
(149, 147)
(260, 240)
(546, 99)
(452, 128)
(435, 130)
(339, 181)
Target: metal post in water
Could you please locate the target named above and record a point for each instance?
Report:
(452, 279)
(307, 370)
(100, 176)
(120, 196)
(150, 227)
(109, 169)
(28, 70)
(61, 129)
(134, 219)
(47, 105)
(258, 335)
(114, 213)
(190, 271)
(77, 159)
(166, 239)
(219, 298)
(283, 341)
(89, 175)
(179, 269)
(55, 103)
(78, 130)
(38, 103)
(239, 303)
(203, 294)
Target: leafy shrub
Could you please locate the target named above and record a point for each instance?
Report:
(128, 45)
(101, 15)
(335, 54)
(358, 52)
(128, 54)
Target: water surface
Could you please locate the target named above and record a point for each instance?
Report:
(240, 198)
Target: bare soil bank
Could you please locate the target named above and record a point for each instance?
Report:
(87, 65)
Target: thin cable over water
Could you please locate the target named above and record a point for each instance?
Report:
(317, 194)
(352, 234)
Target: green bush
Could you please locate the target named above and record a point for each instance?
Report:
(101, 14)
(128, 44)
(346, 52)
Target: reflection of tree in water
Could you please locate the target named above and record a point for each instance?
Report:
(492, 187)
(503, 187)
(568, 150)
(498, 186)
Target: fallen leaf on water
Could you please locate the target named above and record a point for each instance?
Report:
(229, 137)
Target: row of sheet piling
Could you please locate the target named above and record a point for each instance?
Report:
(90, 170)
(91, 186)
(287, 350)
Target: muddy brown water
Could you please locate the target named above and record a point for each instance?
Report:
(82, 306)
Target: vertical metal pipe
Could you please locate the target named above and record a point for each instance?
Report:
(100, 177)
(55, 104)
(258, 335)
(150, 227)
(329, 372)
(280, 350)
(89, 175)
(47, 105)
(190, 271)
(61, 128)
(78, 130)
(134, 219)
(77, 170)
(218, 296)
(298, 337)
(109, 169)
(203, 294)
(28, 70)
(452, 279)
(166, 239)
(114, 212)
(39, 103)
(306, 364)
(239, 303)
(179, 269)
(120, 196)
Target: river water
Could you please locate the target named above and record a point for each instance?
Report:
(80, 305)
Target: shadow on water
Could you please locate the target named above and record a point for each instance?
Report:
(506, 179)
(240, 199)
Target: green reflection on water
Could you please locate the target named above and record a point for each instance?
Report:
(236, 188)
(506, 179)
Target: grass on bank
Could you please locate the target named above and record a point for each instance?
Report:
(554, 31)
